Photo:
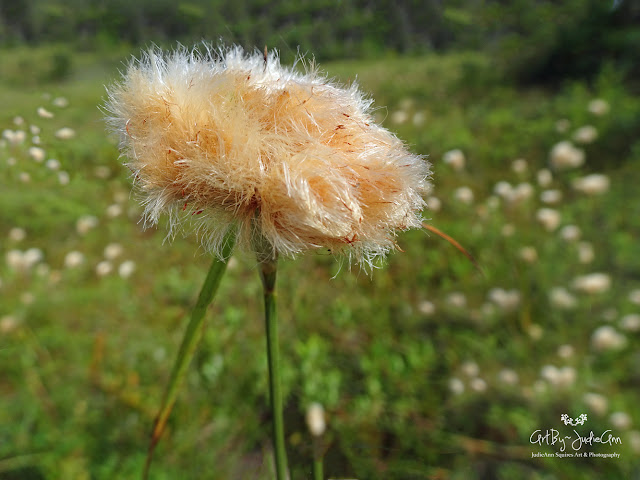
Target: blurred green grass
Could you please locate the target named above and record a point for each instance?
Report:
(85, 357)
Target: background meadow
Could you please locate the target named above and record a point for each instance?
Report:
(427, 368)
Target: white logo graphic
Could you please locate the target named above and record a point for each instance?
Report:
(573, 422)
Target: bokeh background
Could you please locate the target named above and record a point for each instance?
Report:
(427, 369)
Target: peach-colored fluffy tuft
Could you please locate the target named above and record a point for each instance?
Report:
(224, 137)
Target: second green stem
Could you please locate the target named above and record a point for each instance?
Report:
(268, 269)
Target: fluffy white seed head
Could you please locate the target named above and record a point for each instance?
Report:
(564, 155)
(114, 210)
(535, 331)
(470, 368)
(426, 307)
(14, 259)
(37, 154)
(53, 164)
(456, 300)
(570, 233)
(455, 158)
(594, 184)
(44, 113)
(399, 117)
(586, 253)
(419, 118)
(126, 268)
(592, 283)
(558, 377)
(32, 257)
(521, 193)
(85, 223)
(113, 251)
(586, 134)
(221, 137)
(607, 338)
(24, 260)
(551, 197)
(503, 189)
(434, 203)
(17, 234)
(478, 385)
(621, 420)
(634, 296)
(104, 268)
(456, 386)
(596, 402)
(549, 218)
(506, 300)
(630, 322)
(528, 253)
(65, 133)
(544, 177)
(464, 195)
(565, 351)
(74, 259)
(560, 297)
(102, 172)
(598, 106)
(14, 137)
(508, 377)
(60, 102)
(8, 324)
(519, 165)
(315, 419)
(633, 440)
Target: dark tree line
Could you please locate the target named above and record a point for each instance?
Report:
(533, 40)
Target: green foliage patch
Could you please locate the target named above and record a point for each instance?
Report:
(427, 369)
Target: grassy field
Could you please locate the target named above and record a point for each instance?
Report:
(426, 369)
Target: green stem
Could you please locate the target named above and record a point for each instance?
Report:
(190, 341)
(317, 467)
(268, 269)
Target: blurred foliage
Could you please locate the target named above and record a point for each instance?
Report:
(547, 41)
(412, 381)
(530, 41)
(84, 357)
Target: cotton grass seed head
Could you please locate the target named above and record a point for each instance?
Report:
(17, 234)
(597, 403)
(559, 297)
(65, 133)
(220, 137)
(564, 155)
(598, 106)
(74, 259)
(316, 419)
(455, 158)
(594, 184)
(60, 102)
(621, 420)
(607, 338)
(593, 283)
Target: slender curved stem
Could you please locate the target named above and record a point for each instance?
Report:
(268, 270)
(190, 341)
(317, 468)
